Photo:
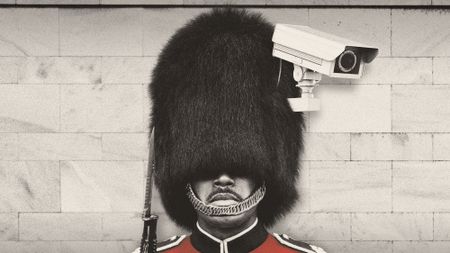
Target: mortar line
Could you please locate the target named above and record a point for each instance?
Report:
(60, 187)
(432, 146)
(59, 32)
(18, 226)
(101, 146)
(143, 104)
(391, 54)
(310, 187)
(102, 217)
(102, 71)
(432, 70)
(59, 109)
(350, 146)
(142, 32)
(391, 107)
(392, 186)
(433, 225)
(309, 16)
(351, 227)
(20, 63)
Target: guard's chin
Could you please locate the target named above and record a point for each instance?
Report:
(228, 221)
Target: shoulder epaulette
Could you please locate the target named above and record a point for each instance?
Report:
(170, 243)
(297, 245)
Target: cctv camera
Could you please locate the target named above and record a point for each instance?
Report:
(321, 52)
(314, 53)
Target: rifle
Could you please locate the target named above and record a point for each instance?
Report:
(149, 240)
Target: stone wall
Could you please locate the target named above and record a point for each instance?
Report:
(74, 115)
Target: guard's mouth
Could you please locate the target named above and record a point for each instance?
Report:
(224, 196)
(223, 209)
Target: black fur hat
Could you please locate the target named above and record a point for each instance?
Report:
(218, 107)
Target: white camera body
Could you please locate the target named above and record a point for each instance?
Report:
(311, 50)
(321, 52)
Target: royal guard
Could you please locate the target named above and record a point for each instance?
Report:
(226, 142)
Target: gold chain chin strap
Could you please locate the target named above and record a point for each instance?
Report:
(235, 209)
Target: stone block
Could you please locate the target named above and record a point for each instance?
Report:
(147, 108)
(125, 70)
(160, 24)
(125, 146)
(60, 146)
(424, 108)
(368, 26)
(8, 146)
(418, 247)
(304, 190)
(122, 226)
(392, 226)
(350, 186)
(101, 108)
(370, 247)
(9, 230)
(222, 2)
(32, 186)
(441, 146)
(9, 69)
(30, 247)
(297, 16)
(390, 2)
(432, 40)
(440, 2)
(58, 2)
(355, 246)
(442, 226)
(350, 108)
(101, 32)
(61, 70)
(307, 2)
(315, 226)
(397, 71)
(441, 70)
(142, 2)
(29, 108)
(99, 246)
(421, 186)
(29, 32)
(327, 146)
(395, 146)
(101, 186)
(60, 226)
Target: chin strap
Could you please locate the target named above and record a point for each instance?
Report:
(234, 209)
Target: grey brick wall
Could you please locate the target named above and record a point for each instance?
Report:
(233, 2)
(74, 116)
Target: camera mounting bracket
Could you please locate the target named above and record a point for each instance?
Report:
(306, 80)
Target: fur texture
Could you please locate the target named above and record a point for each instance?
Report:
(217, 108)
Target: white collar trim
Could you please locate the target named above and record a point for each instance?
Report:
(229, 239)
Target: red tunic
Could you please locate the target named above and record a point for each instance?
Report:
(254, 240)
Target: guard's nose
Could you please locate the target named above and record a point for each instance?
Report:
(223, 181)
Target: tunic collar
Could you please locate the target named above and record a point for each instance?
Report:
(243, 242)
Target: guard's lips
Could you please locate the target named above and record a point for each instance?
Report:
(224, 196)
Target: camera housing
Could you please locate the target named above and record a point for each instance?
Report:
(321, 52)
(314, 53)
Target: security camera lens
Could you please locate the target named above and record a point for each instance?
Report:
(347, 61)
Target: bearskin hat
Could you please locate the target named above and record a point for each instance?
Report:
(220, 106)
